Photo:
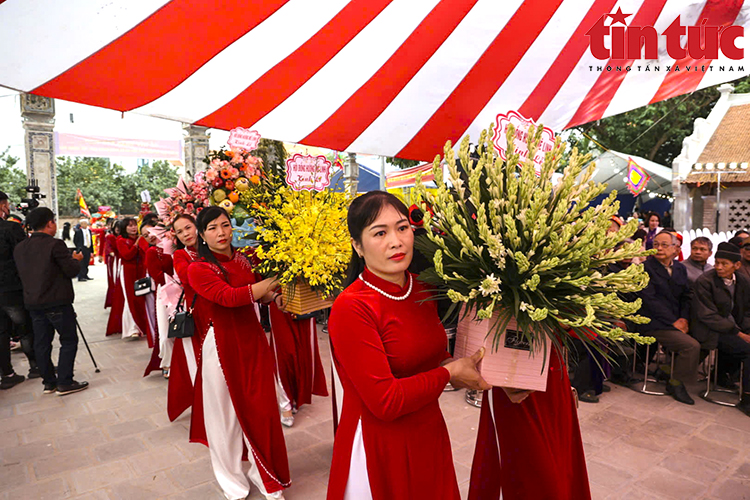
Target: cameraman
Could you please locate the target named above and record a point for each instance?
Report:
(12, 312)
(46, 269)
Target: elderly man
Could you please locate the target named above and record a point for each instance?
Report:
(697, 264)
(666, 301)
(85, 245)
(721, 317)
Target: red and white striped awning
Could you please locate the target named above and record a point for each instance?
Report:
(396, 78)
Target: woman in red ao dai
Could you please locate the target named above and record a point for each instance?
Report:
(132, 251)
(186, 352)
(389, 350)
(160, 268)
(115, 295)
(235, 387)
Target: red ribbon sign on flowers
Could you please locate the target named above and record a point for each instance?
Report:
(242, 138)
(521, 124)
(308, 172)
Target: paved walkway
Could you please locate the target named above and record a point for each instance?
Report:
(114, 440)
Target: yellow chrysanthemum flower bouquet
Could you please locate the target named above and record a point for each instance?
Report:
(526, 260)
(303, 238)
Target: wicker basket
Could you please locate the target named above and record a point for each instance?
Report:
(513, 364)
(301, 299)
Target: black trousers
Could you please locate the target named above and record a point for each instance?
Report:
(586, 372)
(14, 318)
(46, 321)
(733, 351)
(84, 272)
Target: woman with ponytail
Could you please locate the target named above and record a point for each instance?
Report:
(235, 387)
(389, 350)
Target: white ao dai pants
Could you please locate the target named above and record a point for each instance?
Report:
(166, 345)
(223, 430)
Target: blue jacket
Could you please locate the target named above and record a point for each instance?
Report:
(666, 298)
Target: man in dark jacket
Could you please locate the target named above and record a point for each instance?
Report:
(12, 312)
(46, 269)
(721, 316)
(666, 301)
(84, 243)
(697, 264)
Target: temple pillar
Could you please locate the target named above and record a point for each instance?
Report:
(38, 116)
(351, 175)
(196, 148)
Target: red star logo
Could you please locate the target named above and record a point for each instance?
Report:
(619, 17)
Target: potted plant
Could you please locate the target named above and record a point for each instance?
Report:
(525, 259)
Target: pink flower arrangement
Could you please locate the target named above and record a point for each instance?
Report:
(186, 198)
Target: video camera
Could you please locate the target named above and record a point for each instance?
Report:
(32, 201)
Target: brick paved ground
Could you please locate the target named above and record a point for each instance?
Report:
(114, 440)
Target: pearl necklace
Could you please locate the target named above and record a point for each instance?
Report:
(392, 297)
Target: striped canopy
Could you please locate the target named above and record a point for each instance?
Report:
(395, 78)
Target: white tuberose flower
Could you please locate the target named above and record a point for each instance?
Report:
(490, 285)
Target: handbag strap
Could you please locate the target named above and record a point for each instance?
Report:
(192, 306)
(179, 301)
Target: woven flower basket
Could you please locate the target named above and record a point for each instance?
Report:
(512, 364)
(301, 299)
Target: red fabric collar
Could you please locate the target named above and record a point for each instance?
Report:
(223, 258)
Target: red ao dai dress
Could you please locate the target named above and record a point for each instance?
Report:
(186, 352)
(135, 319)
(235, 386)
(159, 267)
(115, 294)
(531, 449)
(109, 241)
(391, 442)
(295, 347)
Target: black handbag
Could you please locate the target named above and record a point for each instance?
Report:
(144, 286)
(182, 325)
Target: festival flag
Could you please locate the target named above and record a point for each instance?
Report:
(82, 203)
(337, 162)
(637, 178)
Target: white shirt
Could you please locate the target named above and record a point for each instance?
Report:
(86, 237)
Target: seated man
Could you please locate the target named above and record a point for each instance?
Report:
(615, 224)
(697, 264)
(721, 317)
(666, 301)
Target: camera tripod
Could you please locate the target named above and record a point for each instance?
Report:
(97, 370)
